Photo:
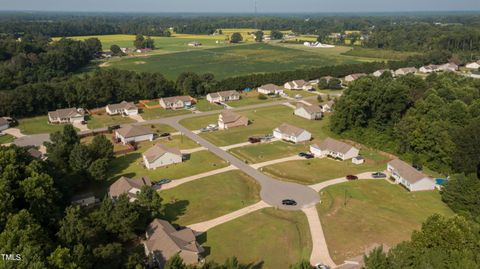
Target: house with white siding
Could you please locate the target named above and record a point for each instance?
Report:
(223, 96)
(298, 85)
(130, 187)
(380, 72)
(309, 112)
(229, 119)
(405, 71)
(4, 125)
(123, 108)
(133, 133)
(353, 77)
(473, 65)
(160, 155)
(176, 102)
(67, 115)
(328, 106)
(335, 149)
(409, 177)
(270, 89)
(291, 133)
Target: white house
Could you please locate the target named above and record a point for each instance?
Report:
(160, 155)
(176, 102)
(309, 112)
(335, 149)
(473, 65)
(194, 44)
(224, 96)
(298, 85)
(124, 108)
(291, 133)
(130, 187)
(448, 67)
(67, 115)
(358, 160)
(405, 71)
(380, 72)
(428, 68)
(3, 124)
(353, 77)
(328, 106)
(409, 177)
(270, 89)
(475, 74)
(229, 119)
(133, 133)
(85, 199)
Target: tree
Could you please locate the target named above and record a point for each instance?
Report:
(467, 147)
(220, 31)
(150, 202)
(175, 262)
(461, 195)
(259, 36)
(275, 35)
(376, 259)
(139, 42)
(115, 49)
(61, 258)
(94, 45)
(98, 169)
(236, 38)
(304, 264)
(101, 148)
(80, 158)
(262, 96)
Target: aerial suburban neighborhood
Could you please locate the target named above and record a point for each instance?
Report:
(302, 140)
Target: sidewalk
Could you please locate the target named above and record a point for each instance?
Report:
(181, 181)
(320, 252)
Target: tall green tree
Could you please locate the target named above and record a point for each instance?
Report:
(259, 36)
(236, 38)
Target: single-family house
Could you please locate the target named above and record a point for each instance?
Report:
(229, 119)
(291, 133)
(4, 125)
(66, 115)
(475, 74)
(328, 106)
(428, 68)
(223, 96)
(335, 149)
(380, 72)
(353, 77)
(163, 241)
(35, 153)
(409, 177)
(473, 65)
(448, 67)
(309, 112)
(85, 199)
(194, 44)
(298, 85)
(160, 155)
(177, 102)
(133, 133)
(405, 71)
(123, 108)
(130, 187)
(270, 89)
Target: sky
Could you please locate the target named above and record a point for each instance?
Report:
(240, 6)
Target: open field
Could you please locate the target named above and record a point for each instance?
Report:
(263, 121)
(130, 165)
(233, 60)
(375, 212)
(156, 113)
(38, 125)
(379, 53)
(276, 237)
(317, 170)
(210, 197)
(258, 153)
(105, 120)
(6, 138)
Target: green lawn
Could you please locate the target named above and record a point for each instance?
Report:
(250, 98)
(228, 61)
(379, 53)
(6, 138)
(160, 128)
(105, 120)
(317, 170)
(156, 113)
(293, 93)
(373, 155)
(38, 125)
(265, 152)
(375, 212)
(130, 165)
(204, 105)
(210, 197)
(263, 121)
(276, 237)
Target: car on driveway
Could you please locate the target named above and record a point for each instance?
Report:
(306, 155)
(290, 202)
(351, 177)
(321, 266)
(158, 184)
(379, 175)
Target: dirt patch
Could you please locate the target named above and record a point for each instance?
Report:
(139, 62)
(105, 64)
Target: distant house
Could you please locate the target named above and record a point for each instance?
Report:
(35, 153)
(124, 108)
(163, 241)
(353, 77)
(4, 125)
(298, 85)
(224, 96)
(405, 71)
(473, 65)
(130, 187)
(475, 74)
(67, 115)
(133, 133)
(358, 160)
(160, 155)
(328, 106)
(335, 149)
(448, 67)
(143, 50)
(291, 133)
(409, 177)
(380, 72)
(85, 199)
(428, 68)
(270, 89)
(177, 102)
(194, 44)
(229, 119)
(309, 112)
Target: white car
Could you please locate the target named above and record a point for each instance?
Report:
(321, 266)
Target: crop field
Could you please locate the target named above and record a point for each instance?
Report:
(236, 60)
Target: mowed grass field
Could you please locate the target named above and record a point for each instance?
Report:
(230, 61)
(38, 125)
(209, 197)
(258, 153)
(374, 211)
(277, 238)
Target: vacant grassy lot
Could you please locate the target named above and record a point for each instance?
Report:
(251, 98)
(6, 138)
(160, 128)
(379, 53)
(266, 152)
(105, 120)
(156, 113)
(228, 61)
(38, 125)
(375, 212)
(204, 105)
(278, 238)
(210, 197)
(263, 121)
(317, 170)
(130, 165)
(301, 93)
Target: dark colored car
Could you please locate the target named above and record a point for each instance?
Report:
(163, 181)
(351, 177)
(302, 154)
(306, 155)
(289, 202)
(254, 140)
(164, 134)
(114, 127)
(379, 175)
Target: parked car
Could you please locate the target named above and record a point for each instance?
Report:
(351, 177)
(379, 175)
(321, 266)
(159, 183)
(306, 155)
(289, 202)
(114, 127)
(254, 140)
(204, 130)
(164, 134)
(302, 154)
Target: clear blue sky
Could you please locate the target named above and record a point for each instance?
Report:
(235, 6)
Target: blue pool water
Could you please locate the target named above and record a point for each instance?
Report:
(441, 181)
